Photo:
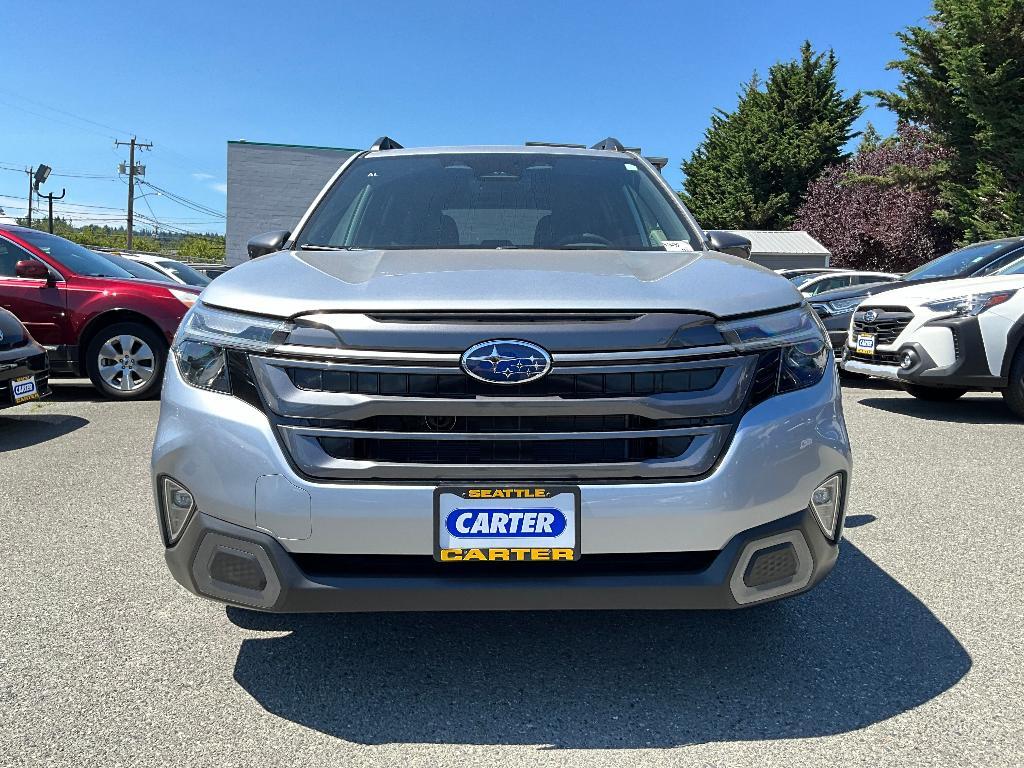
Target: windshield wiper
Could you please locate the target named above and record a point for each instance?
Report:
(318, 247)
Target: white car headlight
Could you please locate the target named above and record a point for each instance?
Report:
(205, 335)
(231, 329)
(971, 304)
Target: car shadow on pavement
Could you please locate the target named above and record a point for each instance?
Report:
(966, 410)
(67, 392)
(18, 431)
(856, 650)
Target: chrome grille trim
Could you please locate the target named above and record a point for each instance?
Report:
(432, 436)
(307, 452)
(719, 405)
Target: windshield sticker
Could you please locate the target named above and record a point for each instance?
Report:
(631, 167)
(676, 245)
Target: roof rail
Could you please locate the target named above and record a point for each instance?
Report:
(555, 144)
(385, 142)
(612, 144)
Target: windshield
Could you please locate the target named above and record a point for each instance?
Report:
(184, 272)
(135, 268)
(956, 264)
(799, 280)
(73, 256)
(496, 200)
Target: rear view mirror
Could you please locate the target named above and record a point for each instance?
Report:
(268, 242)
(31, 269)
(724, 241)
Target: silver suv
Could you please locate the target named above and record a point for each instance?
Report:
(499, 378)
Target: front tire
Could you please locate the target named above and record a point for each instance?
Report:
(936, 394)
(1013, 395)
(125, 361)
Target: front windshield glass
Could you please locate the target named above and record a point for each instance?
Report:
(958, 263)
(799, 280)
(73, 256)
(1013, 268)
(135, 268)
(496, 200)
(184, 272)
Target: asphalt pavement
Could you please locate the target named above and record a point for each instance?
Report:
(908, 654)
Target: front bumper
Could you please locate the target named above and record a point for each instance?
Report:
(225, 452)
(417, 583)
(967, 367)
(16, 364)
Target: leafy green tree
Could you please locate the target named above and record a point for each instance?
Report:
(201, 249)
(963, 78)
(754, 164)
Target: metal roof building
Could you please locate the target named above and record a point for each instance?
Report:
(785, 250)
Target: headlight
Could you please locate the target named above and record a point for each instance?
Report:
(205, 335)
(762, 331)
(231, 329)
(185, 297)
(970, 305)
(203, 365)
(794, 352)
(845, 305)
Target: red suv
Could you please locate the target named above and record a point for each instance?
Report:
(92, 316)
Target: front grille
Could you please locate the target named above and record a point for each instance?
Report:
(879, 358)
(513, 452)
(458, 384)
(887, 325)
(617, 416)
(502, 424)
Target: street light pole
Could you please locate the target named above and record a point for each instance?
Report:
(51, 197)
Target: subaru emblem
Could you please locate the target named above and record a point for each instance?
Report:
(870, 316)
(506, 361)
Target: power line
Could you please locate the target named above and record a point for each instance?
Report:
(64, 112)
(184, 201)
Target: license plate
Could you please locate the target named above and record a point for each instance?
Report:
(507, 523)
(866, 343)
(24, 389)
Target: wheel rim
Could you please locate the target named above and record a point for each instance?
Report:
(126, 363)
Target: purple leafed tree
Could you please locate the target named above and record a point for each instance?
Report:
(876, 210)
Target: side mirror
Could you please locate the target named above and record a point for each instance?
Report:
(31, 269)
(268, 242)
(729, 242)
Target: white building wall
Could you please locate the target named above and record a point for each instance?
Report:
(270, 186)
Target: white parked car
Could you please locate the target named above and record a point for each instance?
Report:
(813, 284)
(171, 269)
(943, 339)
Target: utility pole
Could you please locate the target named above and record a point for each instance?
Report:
(132, 171)
(30, 191)
(51, 197)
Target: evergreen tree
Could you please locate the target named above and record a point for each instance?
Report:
(963, 78)
(754, 164)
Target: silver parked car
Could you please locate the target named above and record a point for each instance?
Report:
(500, 378)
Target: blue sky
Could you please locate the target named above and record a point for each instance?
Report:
(189, 76)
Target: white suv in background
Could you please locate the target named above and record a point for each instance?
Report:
(946, 338)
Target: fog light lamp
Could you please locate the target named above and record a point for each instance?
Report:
(826, 501)
(907, 361)
(177, 506)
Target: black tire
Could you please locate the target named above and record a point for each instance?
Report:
(1013, 395)
(936, 394)
(149, 365)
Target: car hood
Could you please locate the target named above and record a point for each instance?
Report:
(947, 289)
(11, 329)
(289, 283)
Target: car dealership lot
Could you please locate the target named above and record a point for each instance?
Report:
(907, 655)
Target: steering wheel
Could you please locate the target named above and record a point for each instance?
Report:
(584, 238)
